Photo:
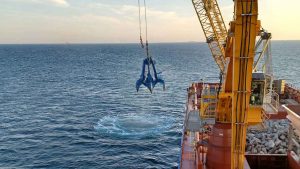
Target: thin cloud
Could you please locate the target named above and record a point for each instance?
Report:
(60, 2)
(162, 25)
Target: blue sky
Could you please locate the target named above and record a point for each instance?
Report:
(116, 21)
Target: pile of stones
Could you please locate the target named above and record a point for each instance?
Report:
(272, 140)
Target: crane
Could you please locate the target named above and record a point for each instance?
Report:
(234, 53)
(241, 91)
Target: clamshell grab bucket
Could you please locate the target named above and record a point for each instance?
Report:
(146, 78)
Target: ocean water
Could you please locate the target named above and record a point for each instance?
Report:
(75, 106)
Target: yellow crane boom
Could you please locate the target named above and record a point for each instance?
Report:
(214, 29)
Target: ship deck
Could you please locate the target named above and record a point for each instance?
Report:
(189, 157)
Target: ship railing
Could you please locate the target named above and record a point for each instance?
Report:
(186, 111)
(275, 100)
(181, 148)
(272, 99)
(210, 111)
(292, 86)
(294, 141)
(209, 99)
(293, 91)
(264, 118)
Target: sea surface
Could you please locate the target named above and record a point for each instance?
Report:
(76, 106)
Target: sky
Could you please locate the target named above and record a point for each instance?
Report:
(116, 21)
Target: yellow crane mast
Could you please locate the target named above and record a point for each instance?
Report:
(245, 28)
(234, 53)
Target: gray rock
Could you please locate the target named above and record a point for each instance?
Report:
(259, 136)
(250, 135)
(270, 144)
(278, 142)
(273, 140)
(282, 137)
(283, 144)
(249, 148)
(264, 150)
(259, 148)
(281, 151)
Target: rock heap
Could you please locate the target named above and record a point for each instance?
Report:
(272, 140)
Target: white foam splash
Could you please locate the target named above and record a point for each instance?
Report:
(134, 124)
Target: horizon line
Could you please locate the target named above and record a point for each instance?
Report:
(109, 43)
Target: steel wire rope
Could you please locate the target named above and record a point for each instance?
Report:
(146, 28)
(140, 25)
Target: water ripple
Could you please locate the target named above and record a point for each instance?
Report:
(133, 124)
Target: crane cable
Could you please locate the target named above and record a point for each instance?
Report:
(140, 25)
(146, 28)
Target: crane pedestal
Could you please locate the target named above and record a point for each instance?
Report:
(219, 147)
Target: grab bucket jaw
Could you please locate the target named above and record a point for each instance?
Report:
(146, 79)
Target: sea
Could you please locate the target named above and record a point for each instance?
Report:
(76, 105)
